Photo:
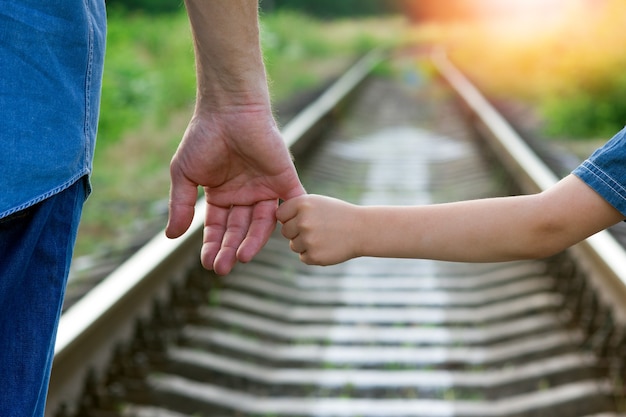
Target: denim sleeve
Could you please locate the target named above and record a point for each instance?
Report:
(605, 171)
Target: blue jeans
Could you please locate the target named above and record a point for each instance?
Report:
(36, 246)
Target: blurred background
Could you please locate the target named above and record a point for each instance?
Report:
(559, 61)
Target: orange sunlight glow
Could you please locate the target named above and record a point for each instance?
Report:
(506, 20)
(521, 47)
(526, 18)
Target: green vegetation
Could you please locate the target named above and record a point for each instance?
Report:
(334, 8)
(320, 8)
(148, 72)
(146, 6)
(302, 52)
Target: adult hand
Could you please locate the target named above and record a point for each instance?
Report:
(240, 159)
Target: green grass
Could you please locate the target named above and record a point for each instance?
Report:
(149, 71)
(301, 52)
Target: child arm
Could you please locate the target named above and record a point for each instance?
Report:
(327, 231)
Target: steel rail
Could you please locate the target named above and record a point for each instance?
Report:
(601, 257)
(89, 330)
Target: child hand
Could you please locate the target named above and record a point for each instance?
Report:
(323, 230)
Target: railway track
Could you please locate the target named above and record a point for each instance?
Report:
(370, 337)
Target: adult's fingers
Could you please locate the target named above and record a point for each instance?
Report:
(239, 219)
(213, 234)
(295, 191)
(263, 223)
(183, 195)
(234, 234)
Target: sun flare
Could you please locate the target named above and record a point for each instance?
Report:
(526, 18)
(505, 19)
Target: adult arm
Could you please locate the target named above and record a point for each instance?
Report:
(232, 146)
(327, 231)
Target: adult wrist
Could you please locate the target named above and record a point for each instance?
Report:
(217, 99)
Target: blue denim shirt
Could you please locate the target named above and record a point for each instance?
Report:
(605, 171)
(51, 60)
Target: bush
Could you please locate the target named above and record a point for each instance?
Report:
(299, 48)
(149, 71)
(333, 8)
(146, 6)
(586, 111)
